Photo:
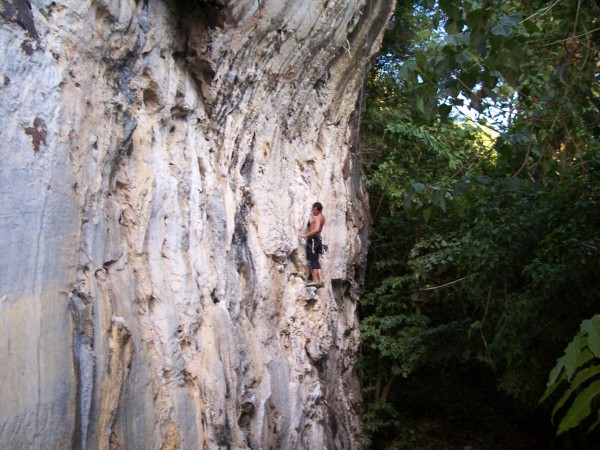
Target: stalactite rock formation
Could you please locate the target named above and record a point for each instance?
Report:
(158, 160)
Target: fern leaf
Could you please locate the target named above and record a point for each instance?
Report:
(576, 384)
(549, 391)
(569, 361)
(558, 374)
(592, 327)
(573, 354)
(581, 407)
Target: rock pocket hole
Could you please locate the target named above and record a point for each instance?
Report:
(150, 99)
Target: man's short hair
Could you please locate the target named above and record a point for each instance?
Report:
(318, 206)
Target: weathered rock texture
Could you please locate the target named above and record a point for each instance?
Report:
(158, 159)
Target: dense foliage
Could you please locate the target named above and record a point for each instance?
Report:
(485, 246)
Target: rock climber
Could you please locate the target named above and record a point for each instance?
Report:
(314, 245)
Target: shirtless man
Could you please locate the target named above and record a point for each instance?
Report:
(314, 244)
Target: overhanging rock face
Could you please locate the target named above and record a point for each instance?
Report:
(158, 159)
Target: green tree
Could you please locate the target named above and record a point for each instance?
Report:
(485, 241)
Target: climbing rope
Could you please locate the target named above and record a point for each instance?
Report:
(358, 118)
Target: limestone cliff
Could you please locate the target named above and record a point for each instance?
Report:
(157, 160)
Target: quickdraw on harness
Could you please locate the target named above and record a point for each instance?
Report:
(321, 249)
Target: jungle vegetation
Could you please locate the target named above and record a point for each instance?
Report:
(480, 141)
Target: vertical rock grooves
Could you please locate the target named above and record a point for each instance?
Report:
(159, 159)
(83, 357)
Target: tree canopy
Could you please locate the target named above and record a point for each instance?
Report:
(481, 150)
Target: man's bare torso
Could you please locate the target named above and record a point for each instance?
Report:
(317, 222)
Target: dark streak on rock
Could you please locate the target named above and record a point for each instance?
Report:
(19, 12)
(27, 47)
(38, 133)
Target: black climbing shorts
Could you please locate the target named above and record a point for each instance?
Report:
(313, 250)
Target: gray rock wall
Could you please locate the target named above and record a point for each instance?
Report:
(157, 160)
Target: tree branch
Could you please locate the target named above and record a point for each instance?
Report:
(447, 284)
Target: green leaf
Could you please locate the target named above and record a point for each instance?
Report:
(512, 19)
(475, 326)
(501, 30)
(427, 214)
(477, 41)
(407, 70)
(452, 26)
(420, 104)
(444, 111)
(565, 366)
(473, 18)
(581, 407)
(592, 327)
(531, 26)
(489, 81)
(576, 384)
(511, 76)
(422, 61)
(572, 355)
(417, 187)
(451, 9)
(463, 57)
